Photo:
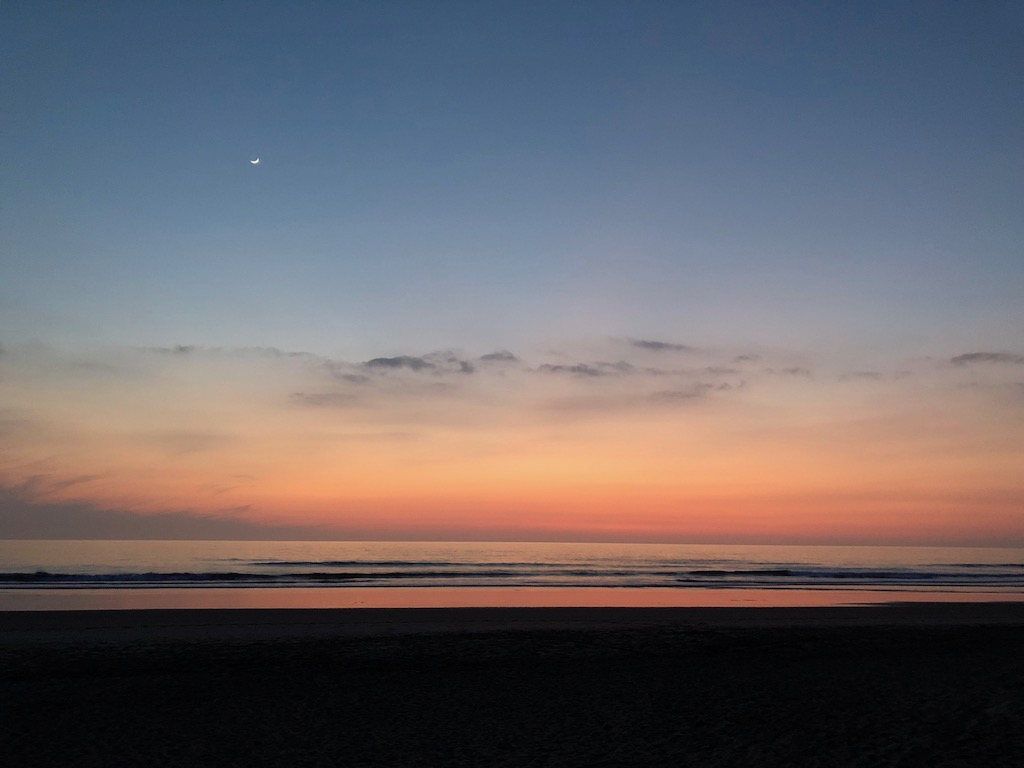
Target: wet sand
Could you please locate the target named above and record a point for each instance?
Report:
(902, 685)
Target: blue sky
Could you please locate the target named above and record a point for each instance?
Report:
(479, 175)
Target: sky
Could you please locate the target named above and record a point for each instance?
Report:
(599, 271)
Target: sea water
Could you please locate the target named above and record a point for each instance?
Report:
(154, 574)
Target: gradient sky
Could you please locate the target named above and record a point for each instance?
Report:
(639, 271)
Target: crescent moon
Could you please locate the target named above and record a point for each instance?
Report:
(255, 162)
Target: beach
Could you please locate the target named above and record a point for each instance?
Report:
(902, 685)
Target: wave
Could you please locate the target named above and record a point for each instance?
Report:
(823, 576)
(830, 574)
(753, 572)
(355, 563)
(980, 565)
(384, 573)
(44, 577)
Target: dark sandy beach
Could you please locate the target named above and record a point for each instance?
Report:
(906, 685)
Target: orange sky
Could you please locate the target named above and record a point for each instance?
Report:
(677, 444)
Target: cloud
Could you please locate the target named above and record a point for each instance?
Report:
(861, 376)
(659, 346)
(501, 356)
(23, 516)
(449, 362)
(689, 393)
(343, 371)
(972, 358)
(178, 349)
(594, 369)
(70, 482)
(41, 485)
(402, 361)
(437, 362)
(326, 399)
(792, 371)
(583, 405)
(354, 378)
(579, 369)
(276, 352)
(619, 367)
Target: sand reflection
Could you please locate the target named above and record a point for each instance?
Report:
(463, 597)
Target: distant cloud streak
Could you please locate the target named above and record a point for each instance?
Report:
(659, 346)
(502, 356)
(403, 361)
(24, 517)
(326, 399)
(1003, 358)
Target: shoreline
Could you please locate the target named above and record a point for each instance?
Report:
(268, 624)
(325, 598)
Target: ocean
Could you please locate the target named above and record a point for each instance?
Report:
(63, 575)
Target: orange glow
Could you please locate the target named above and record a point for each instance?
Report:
(526, 456)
